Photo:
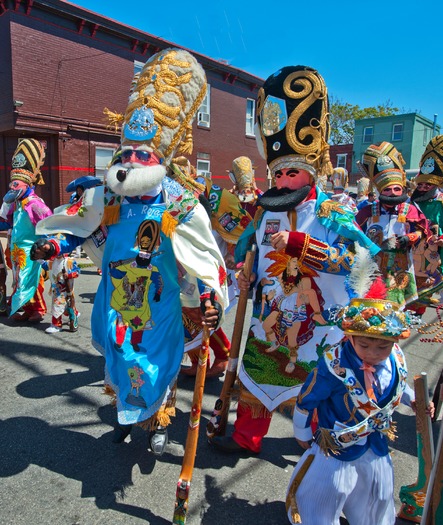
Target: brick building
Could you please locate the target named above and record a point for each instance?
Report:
(61, 65)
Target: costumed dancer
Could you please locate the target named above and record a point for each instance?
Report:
(62, 272)
(156, 237)
(428, 255)
(354, 390)
(392, 222)
(363, 188)
(228, 222)
(339, 178)
(242, 174)
(342, 196)
(305, 244)
(21, 211)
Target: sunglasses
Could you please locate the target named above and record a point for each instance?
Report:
(144, 156)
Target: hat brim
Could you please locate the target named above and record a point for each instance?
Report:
(88, 181)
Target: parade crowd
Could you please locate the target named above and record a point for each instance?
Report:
(338, 280)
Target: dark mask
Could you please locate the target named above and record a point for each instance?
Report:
(423, 196)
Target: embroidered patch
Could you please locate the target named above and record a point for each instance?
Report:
(272, 226)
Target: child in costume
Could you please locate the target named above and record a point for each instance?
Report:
(355, 388)
(21, 211)
(155, 239)
(62, 272)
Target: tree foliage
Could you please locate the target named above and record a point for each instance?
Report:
(343, 116)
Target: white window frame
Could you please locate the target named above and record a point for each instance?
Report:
(203, 168)
(365, 133)
(394, 131)
(250, 117)
(204, 111)
(341, 160)
(101, 168)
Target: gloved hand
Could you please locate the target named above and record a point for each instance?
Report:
(212, 309)
(42, 249)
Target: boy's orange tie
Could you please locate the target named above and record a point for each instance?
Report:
(369, 380)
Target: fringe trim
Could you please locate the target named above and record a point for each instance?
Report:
(249, 401)
(168, 224)
(325, 442)
(391, 433)
(187, 144)
(111, 215)
(108, 391)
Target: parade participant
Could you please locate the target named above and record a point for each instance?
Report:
(3, 276)
(228, 222)
(342, 196)
(392, 222)
(339, 178)
(62, 271)
(365, 202)
(363, 187)
(22, 210)
(155, 235)
(242, 174)
(305, 246)
(429, 199)
(354, 390)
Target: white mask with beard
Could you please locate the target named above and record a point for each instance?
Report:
(134, 180)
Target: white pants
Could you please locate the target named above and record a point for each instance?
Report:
(362, 489)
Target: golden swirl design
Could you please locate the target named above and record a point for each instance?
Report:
(313, 89)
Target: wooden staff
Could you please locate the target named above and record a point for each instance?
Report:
(217, 423)
(184, 482)
(433, 509)
(413, 496)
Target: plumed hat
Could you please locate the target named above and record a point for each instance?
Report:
(431, 163)
(384, 165)
(242, 175)
(293, 120)
(163, 101)
(27, 160)
(368, 313)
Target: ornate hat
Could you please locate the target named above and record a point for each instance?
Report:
(293, 120)
(27, 160)
(164, 99)
(384, 165)
(242, 175)
(431, 163)
(368, 313)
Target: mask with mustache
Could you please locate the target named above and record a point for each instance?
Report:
(283, 199)
(393, 200)
(423, 196)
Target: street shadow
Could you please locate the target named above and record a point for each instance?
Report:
(103, 468)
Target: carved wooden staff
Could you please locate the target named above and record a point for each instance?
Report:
(217, 423)
(413, 496)
(433, 509)
(184, 482)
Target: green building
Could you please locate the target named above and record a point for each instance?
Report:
(409, 133)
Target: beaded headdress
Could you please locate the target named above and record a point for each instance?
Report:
(242, 175)
(293, 121)
(384, 165)
(27, 160)
(368, 313)
(431, 163)
(163, 101)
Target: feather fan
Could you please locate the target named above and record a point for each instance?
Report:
(364, 272)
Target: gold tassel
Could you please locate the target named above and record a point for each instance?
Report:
(392, 432)
(326, 165)
(186, 145)
(326, 443)
(114, 119)
(39, 179)
(168, 224)
(111, 215)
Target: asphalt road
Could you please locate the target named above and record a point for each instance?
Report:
(59, 466)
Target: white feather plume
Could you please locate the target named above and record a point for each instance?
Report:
(363, 272)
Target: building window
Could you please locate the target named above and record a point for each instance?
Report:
(397, 132)
(103, 157)
(341, 160)
(203, 168)
(204, 113)
(250, 116)
(368, 134)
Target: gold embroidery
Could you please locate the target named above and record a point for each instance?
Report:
(328, 206)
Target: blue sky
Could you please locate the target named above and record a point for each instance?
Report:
(368, 52)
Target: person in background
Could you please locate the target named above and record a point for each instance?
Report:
(21, 211)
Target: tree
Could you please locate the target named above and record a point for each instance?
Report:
(343, 116)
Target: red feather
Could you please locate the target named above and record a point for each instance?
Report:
(377, 290)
